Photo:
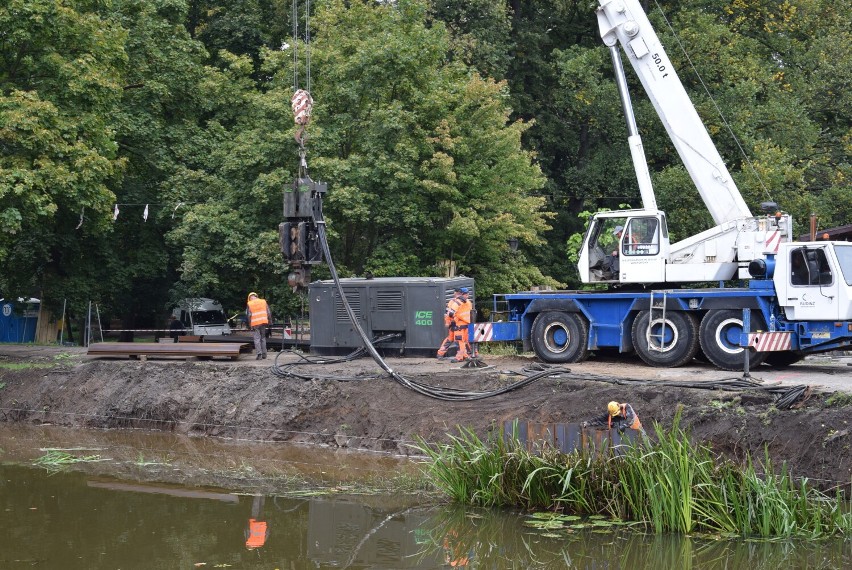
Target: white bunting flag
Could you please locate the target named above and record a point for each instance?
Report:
(115, 213)
(145, 213)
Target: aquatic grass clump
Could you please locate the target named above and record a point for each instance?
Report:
(470, 470)
(58, 458)
(668, 484)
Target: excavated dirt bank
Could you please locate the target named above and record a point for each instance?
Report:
(245, 400)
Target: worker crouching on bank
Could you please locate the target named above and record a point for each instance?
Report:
(618, 416)
(259, 317)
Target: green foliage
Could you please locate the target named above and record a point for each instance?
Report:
(443, 129)
(60, 79)
(55, 459)
(426, 162)
(671, 484)
(480, 32)
(24, 366)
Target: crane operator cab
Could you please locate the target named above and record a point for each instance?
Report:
(625, 247)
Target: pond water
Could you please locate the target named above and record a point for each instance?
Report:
(84, 519)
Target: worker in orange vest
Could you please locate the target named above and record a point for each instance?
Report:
(461, 320)
(257, 531)
(449, 322)
(259, 317)
(620, 416)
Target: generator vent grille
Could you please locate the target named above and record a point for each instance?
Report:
(354, 299)
(389, 301)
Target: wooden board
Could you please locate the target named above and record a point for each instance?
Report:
(231, 350)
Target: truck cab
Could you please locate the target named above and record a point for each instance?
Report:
(625, 246)
(202, 316)
(813, 281)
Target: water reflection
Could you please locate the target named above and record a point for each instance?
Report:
(75, 521)
(489, 539)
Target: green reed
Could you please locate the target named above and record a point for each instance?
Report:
(666, 482)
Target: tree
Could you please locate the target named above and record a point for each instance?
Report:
(425, 161)
(60, 80)
(480, 32)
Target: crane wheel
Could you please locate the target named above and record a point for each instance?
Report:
(668, 342)
(720, 339)
(559, 337)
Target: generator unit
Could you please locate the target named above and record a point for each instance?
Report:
(412, 307)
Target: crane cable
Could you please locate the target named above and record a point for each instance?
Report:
(712, 99)
(302, 104)
(436, 392)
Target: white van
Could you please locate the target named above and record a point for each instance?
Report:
(202, 316)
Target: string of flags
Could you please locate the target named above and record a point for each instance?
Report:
(116, 211)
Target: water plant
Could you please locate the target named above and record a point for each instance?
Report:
(57, 458)
(667, 483)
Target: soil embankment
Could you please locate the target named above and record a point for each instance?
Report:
(245, 400)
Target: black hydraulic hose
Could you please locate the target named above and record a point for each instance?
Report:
(437, 392)
(287, 370)
(786, 396)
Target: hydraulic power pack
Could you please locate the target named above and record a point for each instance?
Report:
(411, 307)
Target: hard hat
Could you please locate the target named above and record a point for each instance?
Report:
(617, 229)
(614, 408)
(252, 293)
(464, 290)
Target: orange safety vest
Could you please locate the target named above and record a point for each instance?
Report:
(462, 318)
(637, 425)
(258, 311)
(452, 307)
(257, 534)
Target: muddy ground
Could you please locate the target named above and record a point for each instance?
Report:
(360, 407)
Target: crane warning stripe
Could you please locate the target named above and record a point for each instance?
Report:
(773, 240)
(770, 341)
(482, 332)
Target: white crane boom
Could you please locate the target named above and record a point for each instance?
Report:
(624, 22)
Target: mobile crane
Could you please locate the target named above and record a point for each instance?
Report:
(798, 295)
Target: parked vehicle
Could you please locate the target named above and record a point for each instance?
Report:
(799, 295)
(202, 316)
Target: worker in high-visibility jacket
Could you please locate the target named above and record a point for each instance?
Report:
(449, 322)
(259, 318)
(461, 320)
(618, 416)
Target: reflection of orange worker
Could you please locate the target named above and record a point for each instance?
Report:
(461, 320)
(449, 323)
(257, 531)
(455, 554)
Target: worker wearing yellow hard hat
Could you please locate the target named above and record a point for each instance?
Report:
(259, 318)
(619, 416)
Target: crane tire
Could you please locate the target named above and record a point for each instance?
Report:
(559, 337)
(679, 344)
(720, 338)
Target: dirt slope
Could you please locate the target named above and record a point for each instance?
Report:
(244, 399)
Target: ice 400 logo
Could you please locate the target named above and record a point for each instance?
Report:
(423, 318)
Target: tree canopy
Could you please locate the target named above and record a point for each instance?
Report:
(444, 130)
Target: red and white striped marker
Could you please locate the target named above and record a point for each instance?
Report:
(770, 341)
